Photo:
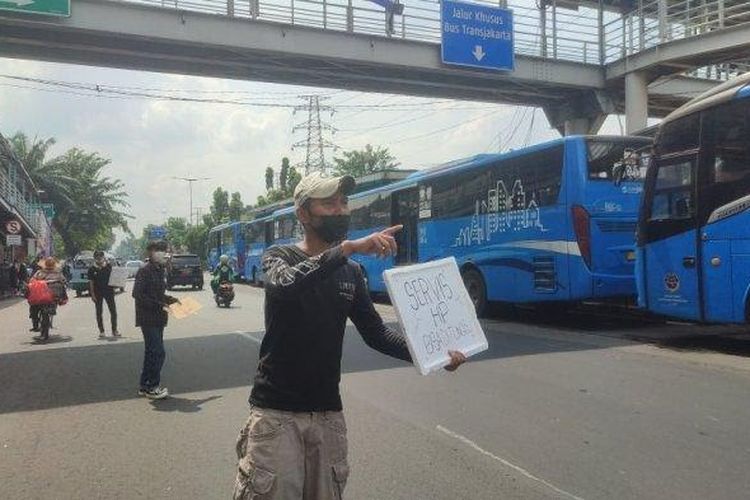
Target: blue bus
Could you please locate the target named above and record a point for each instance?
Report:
(693, 232)
(258, 235)
(227, 239)
(554, 222)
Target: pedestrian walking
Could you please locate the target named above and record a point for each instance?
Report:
(151, 316)
(101, 292)
(294, 444)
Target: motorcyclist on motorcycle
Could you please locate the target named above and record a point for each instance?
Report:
(41, 313)
(222, 274)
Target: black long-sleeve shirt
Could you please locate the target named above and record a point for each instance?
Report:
(308, 300)
(150, 297)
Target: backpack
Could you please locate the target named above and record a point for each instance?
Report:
(39, 293)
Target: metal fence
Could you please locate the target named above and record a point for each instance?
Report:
(654, 22)
(10, 192)
(542, 28)
(545, 31)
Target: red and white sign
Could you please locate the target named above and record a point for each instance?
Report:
(13, 227)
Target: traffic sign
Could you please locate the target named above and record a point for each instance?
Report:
(13, 240)
(46, 7)
(13, 227)
(157, 233)
(477, 36)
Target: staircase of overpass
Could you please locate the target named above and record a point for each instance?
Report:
(579, 60)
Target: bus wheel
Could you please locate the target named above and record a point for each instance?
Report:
(474, 284)
(78, 293)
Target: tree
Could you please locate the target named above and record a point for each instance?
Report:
(294, 178)
(220, 206)
(236, 207)
(88, 206)
(364, 162)
(98, 203)
(269, 179)
(284, 174)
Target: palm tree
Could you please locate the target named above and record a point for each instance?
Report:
(87, 206)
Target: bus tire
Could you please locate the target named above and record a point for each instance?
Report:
(474, 283)
(78, 293)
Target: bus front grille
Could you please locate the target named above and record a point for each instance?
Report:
(545, 276)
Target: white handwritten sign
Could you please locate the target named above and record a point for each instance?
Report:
(435, 313)
(118, 277)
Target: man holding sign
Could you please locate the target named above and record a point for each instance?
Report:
(294, 446)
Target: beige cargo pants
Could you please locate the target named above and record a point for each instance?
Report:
(292, 456)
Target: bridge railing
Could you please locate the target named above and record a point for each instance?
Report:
(653, 22)
(540, 28)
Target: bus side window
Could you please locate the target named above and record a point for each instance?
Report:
(726, 157)
(673, 192)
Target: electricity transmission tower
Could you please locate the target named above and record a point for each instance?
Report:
(315, 144)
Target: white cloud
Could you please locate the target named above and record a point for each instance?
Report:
(151, 141)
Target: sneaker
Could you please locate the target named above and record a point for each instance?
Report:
(115, 333)
(102, 335)
(155, 393)
(34, 329)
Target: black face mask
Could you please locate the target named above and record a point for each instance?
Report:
(332, 228)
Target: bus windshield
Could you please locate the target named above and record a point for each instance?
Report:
(617, 160)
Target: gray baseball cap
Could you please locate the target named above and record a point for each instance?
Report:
(318, 186)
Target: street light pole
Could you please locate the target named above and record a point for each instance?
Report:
(190, 181)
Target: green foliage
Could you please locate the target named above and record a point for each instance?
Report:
(364, 162)
(88, 206)
(236, 207)
(220, 206)
(288, 180)
(284, 174)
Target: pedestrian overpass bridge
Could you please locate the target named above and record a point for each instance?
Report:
(576, 59)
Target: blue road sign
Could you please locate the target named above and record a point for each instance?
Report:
(157, 233)
(477, 35)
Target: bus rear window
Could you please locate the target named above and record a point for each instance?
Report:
(185, 260)
(607, 157)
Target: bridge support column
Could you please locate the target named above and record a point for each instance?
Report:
(583, 126)
(636, 102)
(583, 114)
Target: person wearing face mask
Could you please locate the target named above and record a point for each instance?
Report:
(100, 292)
(294, 444)
(151, 316)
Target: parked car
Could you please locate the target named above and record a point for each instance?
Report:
(80, 270)
(133, 266)
(184, 270)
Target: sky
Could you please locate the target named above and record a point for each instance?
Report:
(150, 141)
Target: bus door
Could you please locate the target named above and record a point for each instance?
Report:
(670, 248)
(405, 210)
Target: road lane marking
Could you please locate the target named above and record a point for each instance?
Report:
(516, 468)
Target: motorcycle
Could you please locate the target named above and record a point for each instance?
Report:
(46, 312)
(225, 294)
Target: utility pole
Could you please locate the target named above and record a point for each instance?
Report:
(315, 144)
(190, 181)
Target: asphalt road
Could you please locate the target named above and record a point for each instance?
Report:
(583, 405)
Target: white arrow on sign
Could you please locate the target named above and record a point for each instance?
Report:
(478, 52)
(20, 3)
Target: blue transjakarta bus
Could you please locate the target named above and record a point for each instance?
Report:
(227, 239)
(553, 222)
(694, 226)
(258, 235)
